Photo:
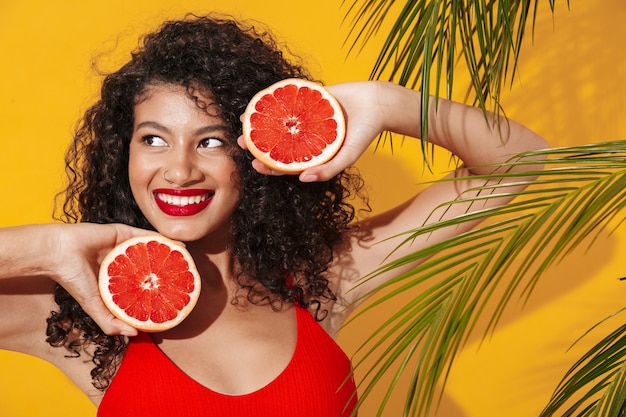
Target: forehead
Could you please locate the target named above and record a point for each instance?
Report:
(171, 101)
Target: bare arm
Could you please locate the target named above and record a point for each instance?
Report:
(375, 107)
(33, 258)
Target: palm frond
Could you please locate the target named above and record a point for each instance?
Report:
(596, 384)
(427, 39)
(580, 193)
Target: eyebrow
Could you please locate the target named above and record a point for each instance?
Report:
(201, 131)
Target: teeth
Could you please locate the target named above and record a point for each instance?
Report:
(175, 200)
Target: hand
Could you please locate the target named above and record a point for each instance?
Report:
(364, 122)
(77, 251)
(365, 117)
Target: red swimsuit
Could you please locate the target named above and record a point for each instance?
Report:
(317, 382)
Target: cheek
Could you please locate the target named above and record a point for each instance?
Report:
(139, 173)
(233, 178)
(230, 183)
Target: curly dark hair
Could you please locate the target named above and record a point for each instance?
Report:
(283, 230)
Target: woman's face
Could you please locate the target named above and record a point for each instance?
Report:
(180, 168)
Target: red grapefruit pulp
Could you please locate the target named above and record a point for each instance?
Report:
(293, 125)
(149, 282)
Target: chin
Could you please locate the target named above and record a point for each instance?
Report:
(182, 235)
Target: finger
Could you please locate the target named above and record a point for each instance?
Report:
(344, 159)
(113, 326)
(109, 324)
(261, 168)
(125, 232)
(242, 143)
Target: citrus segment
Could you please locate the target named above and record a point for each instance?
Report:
(149, 282)
(293, 125)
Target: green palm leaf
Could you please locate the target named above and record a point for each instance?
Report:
(427, 39)
(580, 192)
(601, 372)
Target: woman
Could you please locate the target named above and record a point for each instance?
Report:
(279, 256)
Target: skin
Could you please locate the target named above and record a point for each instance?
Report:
(175, 146)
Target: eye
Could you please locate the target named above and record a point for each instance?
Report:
(152, 140)
(211, 143)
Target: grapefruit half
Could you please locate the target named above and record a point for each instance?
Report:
(293, 125)
(149, 282)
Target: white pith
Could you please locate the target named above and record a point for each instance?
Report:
(151, 282)
(292, 125)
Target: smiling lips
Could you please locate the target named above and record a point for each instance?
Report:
(182, 202)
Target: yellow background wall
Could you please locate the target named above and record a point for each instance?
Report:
(571, 89)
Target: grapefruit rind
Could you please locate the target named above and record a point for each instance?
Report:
(262, 114)
(135, 311)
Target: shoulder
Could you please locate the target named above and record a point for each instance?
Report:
(356, 273)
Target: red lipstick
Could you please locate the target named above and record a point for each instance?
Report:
(188, 202)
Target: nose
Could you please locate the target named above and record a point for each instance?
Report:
(181, 169)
